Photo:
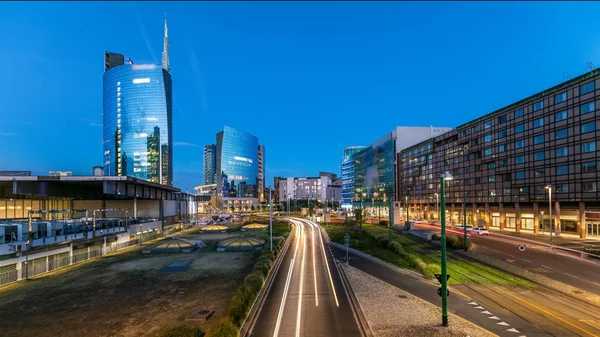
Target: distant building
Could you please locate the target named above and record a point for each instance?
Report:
(97, 171)
(302, 188)
(261, 173)
(60, 173)
(276, 188)
(331, 176)
(210, 164)
(137, 118)
(15, 173)
(334, 191)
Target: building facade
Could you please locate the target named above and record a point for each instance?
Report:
(137, 118)
(347, 175)
(210, 164)
(303, 188)
(503, 162)
(261, 173)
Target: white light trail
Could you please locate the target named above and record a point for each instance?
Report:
(287, 284)
(328, 271)
(300, 294)
(314, 267)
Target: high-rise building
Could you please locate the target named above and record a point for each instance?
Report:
(261, 173)
(347, 175)
(237, 163)
(210, 164)
(138, 117)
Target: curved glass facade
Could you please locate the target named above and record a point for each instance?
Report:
(137, 118)
(348, 175)
(237, 163)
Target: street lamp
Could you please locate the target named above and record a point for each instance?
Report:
(407, 206)
(271, 218)
(465, 219)
(549, 188)
(444, 281)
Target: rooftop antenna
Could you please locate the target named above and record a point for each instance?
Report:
(591, 65)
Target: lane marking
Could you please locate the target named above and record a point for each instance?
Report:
(314, 267)
(547, 267)
(300, 294)
(473, 303)
(328, 271)
(513, 330)
(548, 313)
(526, 260)
(494, 317)
(287, 285)
(486, 312)
(503, 323)
(479, 307)
(571, 275)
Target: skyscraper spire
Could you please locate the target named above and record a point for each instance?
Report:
(165, 54)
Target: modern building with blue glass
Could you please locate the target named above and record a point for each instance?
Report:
(210, 164)
(138, 118)
(348, 175)
(237, 159)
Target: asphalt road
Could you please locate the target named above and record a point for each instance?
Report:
(571, 270)
(307, 297)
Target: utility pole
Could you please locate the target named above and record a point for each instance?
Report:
(444, 278)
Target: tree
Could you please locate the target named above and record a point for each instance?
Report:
(358, 215)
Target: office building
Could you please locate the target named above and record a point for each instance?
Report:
(503, 162)
(210, 164)
(15, 173)
(373, 173)
(304, 188)
(347, 175)
(137, 118)
(60, 173)
(334, 192)
(261, 173)
(97, 171)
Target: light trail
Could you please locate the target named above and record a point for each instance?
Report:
(287, 284)
(300, 294)
(337, 303)
(314, 267)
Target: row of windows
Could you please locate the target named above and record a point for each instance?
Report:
(558, 98)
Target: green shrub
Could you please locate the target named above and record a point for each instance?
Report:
(225, 328)
(182, 331)
(383, 223)
(254, 281)
(431, 270)
(396, 247)
(382, 241)
(435, 237)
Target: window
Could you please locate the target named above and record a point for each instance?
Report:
(492, 193)
(587, 107)
(588, 127)
(502, 163)
(558, 98)
(560, 134)
(507, 191)
(540, 173)
(588, 147)
(538, 122)
(477, 154)
(478, 180)
(519, 128)
(507, 177)
(501, 134)
(491, 165)
(589, 187)
(501, 148)
(475, 141)
(488, 152)
(538, 106)
(562, 152)
(502, 119)
(585, 88)
(491, 179)
(588, 167)
(519, 144)
(538, 139)
(475, 129)
(519, 113)
(463, 133)
(487, 138)
(477, 168)
(519, 159)
(539, 155)
(562, 188)
(560, 116)
(524, 190)
(562, 170)
(466, 157)
(487, 124)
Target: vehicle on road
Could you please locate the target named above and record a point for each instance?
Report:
(480, 231)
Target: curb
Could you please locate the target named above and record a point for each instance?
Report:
(357, 309)
(250, 321)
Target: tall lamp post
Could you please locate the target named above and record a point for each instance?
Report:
(407, 205)
(549, 188)
(444, 279)
(271, 218)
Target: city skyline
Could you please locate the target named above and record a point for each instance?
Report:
(215, 61)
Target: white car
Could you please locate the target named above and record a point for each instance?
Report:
(480, 231)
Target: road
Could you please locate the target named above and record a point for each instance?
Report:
(307, 297)
(571, 270)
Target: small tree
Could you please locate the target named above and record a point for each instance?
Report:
(358, 215)
(252, 208)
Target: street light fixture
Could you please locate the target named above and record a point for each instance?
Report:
(444, 279)
(407, 206)
(549, 188)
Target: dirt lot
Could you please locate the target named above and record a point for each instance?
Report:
(124, 295)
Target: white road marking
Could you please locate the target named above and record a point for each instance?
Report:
(526, 260)
(547, 267)
(513, 330)
(503, 323)
(287, 285)
(314, 267)
(480, 308)
(473, 303)
(486, 312)
(571, 275)
(494, 317)
(327, 265)
(300, 294)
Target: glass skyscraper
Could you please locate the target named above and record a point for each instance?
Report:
(210, 164)
(237, 163)
(137, 118)
(348, 175)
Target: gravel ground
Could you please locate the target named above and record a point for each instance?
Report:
(411, 316)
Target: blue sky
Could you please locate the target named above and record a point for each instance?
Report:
(307, 78)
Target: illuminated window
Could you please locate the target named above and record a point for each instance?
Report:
(587, 107)
(538, 105)
(560, 116)
(518, 113)
(585, 88)
(558, 98)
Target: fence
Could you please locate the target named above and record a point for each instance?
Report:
(41, 265)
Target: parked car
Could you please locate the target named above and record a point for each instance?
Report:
(480, 231)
